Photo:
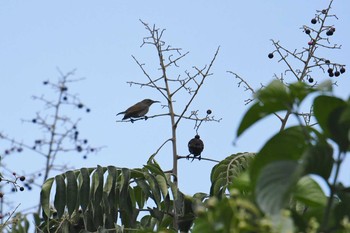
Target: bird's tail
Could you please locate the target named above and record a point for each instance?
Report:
(120, 113)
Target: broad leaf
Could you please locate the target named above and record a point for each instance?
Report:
(309, 192)
(272, 190)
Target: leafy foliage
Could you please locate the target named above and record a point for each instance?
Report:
(226, 171)
(94, 198)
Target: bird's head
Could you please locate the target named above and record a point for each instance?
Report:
(149, 102)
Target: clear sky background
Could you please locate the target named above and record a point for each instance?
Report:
(98, 39)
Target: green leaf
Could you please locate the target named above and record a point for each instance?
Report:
(274, 183)
(161, 181)
(276, 93)
(60, 195)
(282, 224)
(319, 159)
(224, 173)
(139, 196)
(72, 192)
(309, 192)
(153, 184)
(98, 185)
(272, 98)
(339, 127)
(45, 196)
(84, 188)
(323, 106)
(288, 144)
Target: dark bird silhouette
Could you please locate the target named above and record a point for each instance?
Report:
(138, 110)
(195, 147)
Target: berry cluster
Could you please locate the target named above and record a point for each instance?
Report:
(318, 38)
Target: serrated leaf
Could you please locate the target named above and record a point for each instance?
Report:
(224, 173)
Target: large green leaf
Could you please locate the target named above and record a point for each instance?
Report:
(309, 192)
(318, 159)
(288, 144)
(333, 115)
(272, 190)
(323, 106)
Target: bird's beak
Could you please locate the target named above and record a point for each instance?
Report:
(156, 101)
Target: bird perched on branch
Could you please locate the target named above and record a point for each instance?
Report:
(138, 110)
(195, 147)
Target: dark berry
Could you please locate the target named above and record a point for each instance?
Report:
(79, 149)
(65, 98)
(311, 42)
(64, 88)
(342, 70)
(14, 173)
(19, 149)
(80, 105)
(330, 70)
(85, 141)
(307, 31)
(336, 74)
(76, 133)
(92, 149)
(327, 61)
(13, 190)
(329, 33)
(84, 157)
(34, 120)
(39, 174)
(22, 178)
(332, 29)
(314, 21)
(88, 110)
(270, 55)
(21, 189)
(29, 187)
(37, 141)
(7, 152)
(208, 111)
(311, 80)
(1, 194)
(324, 11)
(46, 82)
(331, 74)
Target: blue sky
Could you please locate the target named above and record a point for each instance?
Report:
(98, 40)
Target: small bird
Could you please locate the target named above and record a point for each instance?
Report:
(195, 147)
(138, 110)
